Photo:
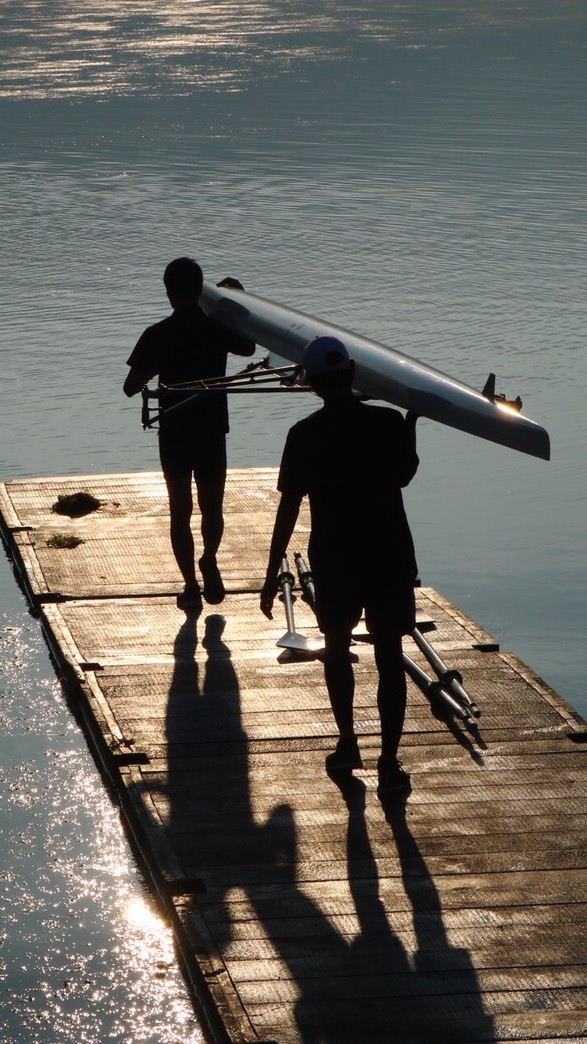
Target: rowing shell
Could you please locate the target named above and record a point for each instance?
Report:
(380, 372)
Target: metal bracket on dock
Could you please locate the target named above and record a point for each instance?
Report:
(578, 737)
(449, 681)
(130, 757)
(448, 689)
(436, 693)
(291, 639)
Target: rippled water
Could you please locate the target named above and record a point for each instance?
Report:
(413, 171)
(86, 956)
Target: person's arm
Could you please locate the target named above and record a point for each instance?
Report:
(230, 342)
(143, 361)
(136, 380)
(409, 458)
(241, 345)
(285, 520)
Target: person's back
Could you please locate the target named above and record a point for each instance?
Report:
(351, 460)
(188, 346)
(355, 458)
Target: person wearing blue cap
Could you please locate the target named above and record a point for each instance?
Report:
(352, 460)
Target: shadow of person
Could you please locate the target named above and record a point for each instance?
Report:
(351, 997)
(224, 844)
(343, 975)
(360, 982)
(209, 820)
(443, 984)
(219, 841)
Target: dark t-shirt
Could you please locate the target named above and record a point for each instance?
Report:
(352, 459)
(189, 346)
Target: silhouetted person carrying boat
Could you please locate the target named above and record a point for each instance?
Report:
(351, 460)
(189, 346)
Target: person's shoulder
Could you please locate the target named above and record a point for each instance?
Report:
(155, 330)
(198, 315)
(379, 409)
(217, 333)
(210, 322)
(382, 414)
(313, 420)
(305, 428)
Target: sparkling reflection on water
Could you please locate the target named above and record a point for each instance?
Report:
(414, 172)
(86, 956)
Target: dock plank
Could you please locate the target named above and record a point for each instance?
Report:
(305, 911)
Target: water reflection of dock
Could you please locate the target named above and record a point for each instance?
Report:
(306, 912)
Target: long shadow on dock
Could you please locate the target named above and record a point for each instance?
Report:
(369, 987)
(325, 986)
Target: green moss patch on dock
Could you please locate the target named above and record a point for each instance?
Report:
(64, 541)
(76, 505)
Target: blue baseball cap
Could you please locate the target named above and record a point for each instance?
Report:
(325, 355)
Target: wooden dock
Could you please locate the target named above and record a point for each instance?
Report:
(306, 912)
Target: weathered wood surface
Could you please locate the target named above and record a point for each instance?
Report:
(308, 912)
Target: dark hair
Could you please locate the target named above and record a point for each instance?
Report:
(183, 276)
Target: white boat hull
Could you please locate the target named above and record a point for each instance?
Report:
(381, 372)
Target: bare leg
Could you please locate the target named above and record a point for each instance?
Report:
(210, 502)
(340, 680)
(391, 691)
(180, 509)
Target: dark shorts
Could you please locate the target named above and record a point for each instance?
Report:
(204, 458)
(390, 607)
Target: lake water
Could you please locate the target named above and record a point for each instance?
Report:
(410, 170)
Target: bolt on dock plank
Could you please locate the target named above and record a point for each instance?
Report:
(306, 911)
